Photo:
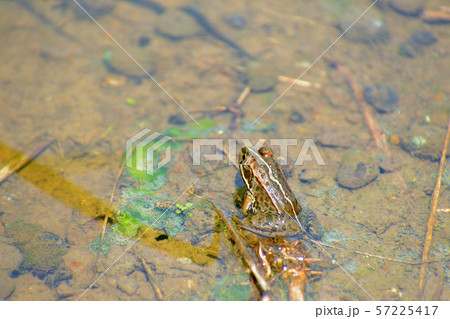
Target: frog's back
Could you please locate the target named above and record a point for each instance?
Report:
(261, 201)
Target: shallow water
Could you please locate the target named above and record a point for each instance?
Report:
(55, 82)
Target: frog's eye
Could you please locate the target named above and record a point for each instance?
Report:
(243, 155)
(265, 151)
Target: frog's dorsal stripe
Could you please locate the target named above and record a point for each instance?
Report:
(247, 184)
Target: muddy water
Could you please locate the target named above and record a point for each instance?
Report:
(54, 82)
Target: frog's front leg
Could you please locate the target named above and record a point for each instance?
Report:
(247, 204)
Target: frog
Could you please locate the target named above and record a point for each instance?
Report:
(269, 206)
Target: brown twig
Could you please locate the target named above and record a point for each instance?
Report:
(30, 152)
(234, 109)
(152, 280)
(292, 16)
(296, 282)
(432, 218)
(375, 130)
(436, 16)
(111, 198)
(444, 8)
(385, 258)
(298, 82)
(245, 92)
(218, 109)
(236, 113)
(398, 260)
(372, 124)
(248, 258)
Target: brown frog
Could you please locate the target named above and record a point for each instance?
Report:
(268, 203)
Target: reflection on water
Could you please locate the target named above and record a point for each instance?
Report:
(190, 64)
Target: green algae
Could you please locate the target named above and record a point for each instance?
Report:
(205, 126)
(158, 178)
(258, 127)
(139, 207)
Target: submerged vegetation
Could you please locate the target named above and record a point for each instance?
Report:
(142, 204)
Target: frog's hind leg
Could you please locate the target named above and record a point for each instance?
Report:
(252, 230)
(310, 224)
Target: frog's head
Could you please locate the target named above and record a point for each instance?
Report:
(251, 161)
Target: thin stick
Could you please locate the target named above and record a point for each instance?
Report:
(295, 17)
(247, 257)
(386, 258)
(219, 108)
(119, 174)
(298, 82)
(243, 96)
(30, 152)
(262, 283)
(60, 151)
(372, 124)
(43, 19)
(236, 113)
(432, 218)
(436, 16)
(111, 198)
(151, 279)
(399, 260)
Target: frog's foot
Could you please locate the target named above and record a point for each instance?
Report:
(311, 224)
(239, 196)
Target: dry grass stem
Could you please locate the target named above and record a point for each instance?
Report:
(30, 152)
(152, 280)
(297, 82)
(243, 96)
(433, 208)
(263, 285)
(385, 258)
(436, 16)
(372, 124)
